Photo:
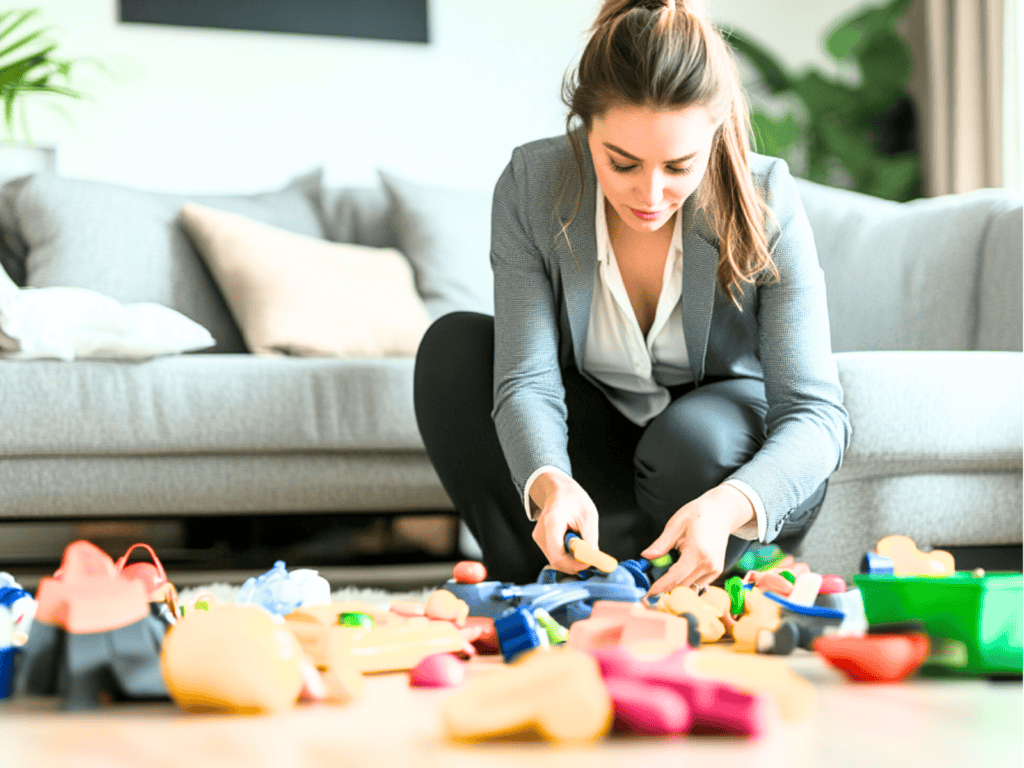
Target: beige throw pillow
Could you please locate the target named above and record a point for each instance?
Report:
(297, 295)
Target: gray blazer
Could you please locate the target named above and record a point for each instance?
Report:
(543, 284)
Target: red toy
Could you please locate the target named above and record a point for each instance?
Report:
(874, 658)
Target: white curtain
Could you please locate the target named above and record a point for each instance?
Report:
(959, 56)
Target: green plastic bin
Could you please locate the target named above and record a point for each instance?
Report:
(984, 613)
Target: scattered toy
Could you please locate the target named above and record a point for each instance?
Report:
(94, 634)
(280, 592)
(908, 560)
(587, 554)
(712, 706)
(235, 659)
(874, 658)
(557, 693)
(469, 572)
(439, 670)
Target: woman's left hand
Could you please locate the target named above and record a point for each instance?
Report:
(699, 531)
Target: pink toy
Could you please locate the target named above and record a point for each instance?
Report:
(408, 608)
(440, 670)
(650, 710)
(770, 581)
(832, 585)
(714, 706)
(612, 622)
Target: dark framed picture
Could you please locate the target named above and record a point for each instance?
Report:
(401, 20)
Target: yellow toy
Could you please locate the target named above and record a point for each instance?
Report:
(908, 560)
(234, 659)
(556, 693)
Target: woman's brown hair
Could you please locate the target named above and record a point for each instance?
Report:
(666, 54)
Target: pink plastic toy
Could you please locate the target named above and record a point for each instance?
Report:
(832, 585)
(440, 670)
(612, 622)
(713, 706)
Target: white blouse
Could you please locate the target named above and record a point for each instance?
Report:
(639, 370)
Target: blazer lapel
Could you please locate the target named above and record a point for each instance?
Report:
(700, 275)
(576, 250)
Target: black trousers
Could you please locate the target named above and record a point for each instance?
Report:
(638, 477)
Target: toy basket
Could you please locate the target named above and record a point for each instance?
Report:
(984, 613)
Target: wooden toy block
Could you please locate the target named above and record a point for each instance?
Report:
(234, 659)
(758, 613)
(682, 600)
(756, 674)
(908, 560)
(556, 693)
(714, 706)
(389, 646)
(585, 553)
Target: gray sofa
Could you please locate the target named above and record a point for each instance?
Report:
(925, 303)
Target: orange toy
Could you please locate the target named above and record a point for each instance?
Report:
(556, 693)
(234, 659)
(908, 560)
(442, 604)
(682, 600)
(759, 613)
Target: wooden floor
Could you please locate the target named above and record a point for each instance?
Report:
(926, 722)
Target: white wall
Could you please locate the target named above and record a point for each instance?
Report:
(209, 110)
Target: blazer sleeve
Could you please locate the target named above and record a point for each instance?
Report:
(529, 397)
(808, 429)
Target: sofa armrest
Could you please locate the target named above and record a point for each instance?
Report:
(924, 412)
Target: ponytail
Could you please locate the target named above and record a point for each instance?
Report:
(666, 54)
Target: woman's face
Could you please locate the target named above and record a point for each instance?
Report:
(649, 161)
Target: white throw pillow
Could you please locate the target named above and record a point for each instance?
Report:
(66, 322)
(297, 295)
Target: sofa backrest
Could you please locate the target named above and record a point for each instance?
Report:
(935, 273)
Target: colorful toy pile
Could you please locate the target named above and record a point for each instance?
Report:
(584, 653)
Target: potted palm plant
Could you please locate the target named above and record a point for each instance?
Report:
(29, 65)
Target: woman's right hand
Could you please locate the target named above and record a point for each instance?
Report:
(564, 506)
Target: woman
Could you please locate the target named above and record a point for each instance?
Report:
(657, 375)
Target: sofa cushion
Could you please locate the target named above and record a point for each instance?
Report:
(129, 244)
(906, 275)
(927, 412)
(298, 295)
(446, 235)
(207, 404)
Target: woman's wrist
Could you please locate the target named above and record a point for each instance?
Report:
(741, 508)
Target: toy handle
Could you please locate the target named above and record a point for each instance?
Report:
(123, 560)
(569, 536)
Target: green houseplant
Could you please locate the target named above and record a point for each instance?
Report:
(858, 135)
(29, 65)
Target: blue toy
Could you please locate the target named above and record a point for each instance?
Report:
(518, 632)
(877, 564)
(566, 597)
(281, 592)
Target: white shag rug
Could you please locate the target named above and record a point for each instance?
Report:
(380, 598)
